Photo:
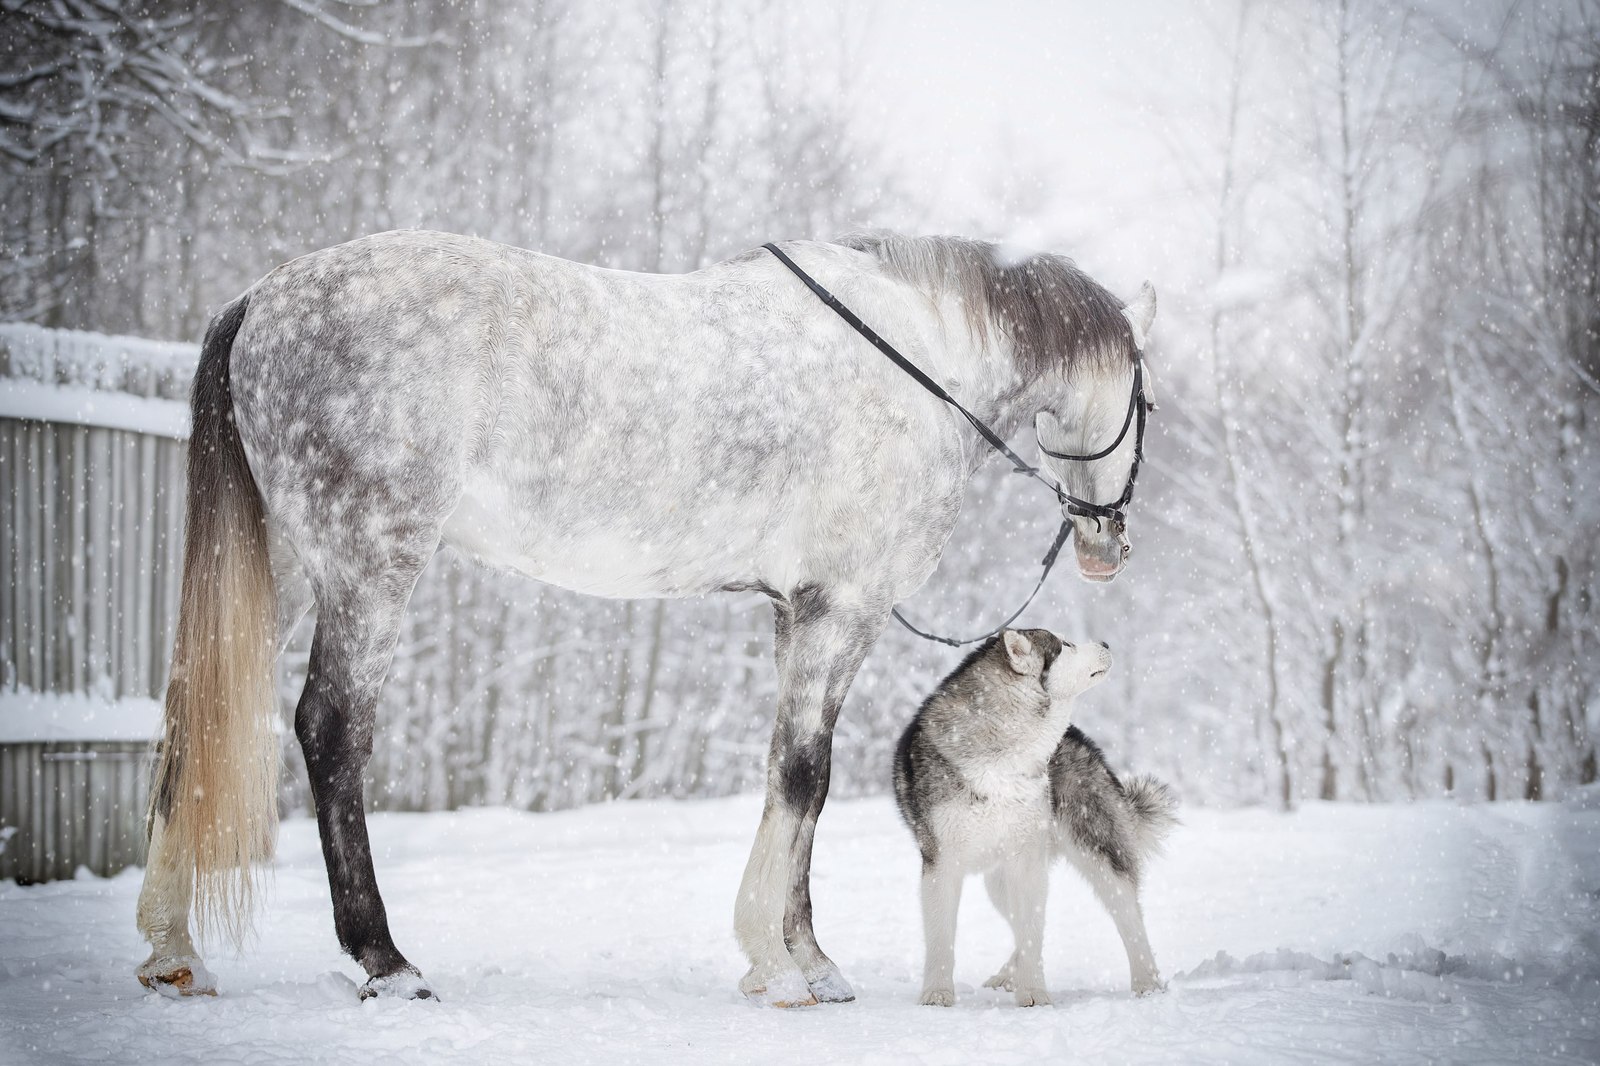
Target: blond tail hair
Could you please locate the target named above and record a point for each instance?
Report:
(217, 772)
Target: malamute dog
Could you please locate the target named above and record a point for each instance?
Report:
(991, 777)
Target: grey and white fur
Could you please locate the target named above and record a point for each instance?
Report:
(993, 778)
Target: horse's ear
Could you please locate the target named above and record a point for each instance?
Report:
(1141, 314)
(1019, 651)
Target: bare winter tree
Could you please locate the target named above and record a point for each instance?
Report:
(1367, 562)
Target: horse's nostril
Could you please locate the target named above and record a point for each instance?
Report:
(1104, 645)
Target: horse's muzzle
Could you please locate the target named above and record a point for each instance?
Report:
(1101, 556)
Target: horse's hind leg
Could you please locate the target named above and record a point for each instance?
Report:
(163, 917)
(358, 621)
(821, 641)
(168, 890)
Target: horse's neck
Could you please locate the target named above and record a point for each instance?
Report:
(977, 368)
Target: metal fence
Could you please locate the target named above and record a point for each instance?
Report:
(92, 449)
(92, 445)
(69, 804)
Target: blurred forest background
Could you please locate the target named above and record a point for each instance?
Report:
(1366, 555)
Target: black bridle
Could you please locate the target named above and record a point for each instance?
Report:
(1139, 407)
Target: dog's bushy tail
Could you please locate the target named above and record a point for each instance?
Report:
(1155, 813)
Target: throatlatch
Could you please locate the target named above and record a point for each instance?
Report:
(1138, 405)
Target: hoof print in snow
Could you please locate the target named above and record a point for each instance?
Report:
(407, 984)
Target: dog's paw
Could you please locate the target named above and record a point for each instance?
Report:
(1149, 986)
(1032, 997)
(940, 996)
(1005, 978)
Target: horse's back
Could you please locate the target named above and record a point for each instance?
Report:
(618, 433)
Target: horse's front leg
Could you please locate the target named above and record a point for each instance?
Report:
(822, 636)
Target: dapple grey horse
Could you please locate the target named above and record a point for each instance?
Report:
(616, 433)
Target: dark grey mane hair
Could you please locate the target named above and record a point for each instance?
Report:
(1056, 316)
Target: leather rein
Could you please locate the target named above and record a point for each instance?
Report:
(1139, 407)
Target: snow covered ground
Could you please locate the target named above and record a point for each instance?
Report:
(1432, 933)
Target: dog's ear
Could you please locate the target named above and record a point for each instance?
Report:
(1020, 652)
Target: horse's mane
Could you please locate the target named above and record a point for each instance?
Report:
(1056, 316)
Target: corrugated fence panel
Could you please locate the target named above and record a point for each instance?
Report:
(91, 539)
(82, 805)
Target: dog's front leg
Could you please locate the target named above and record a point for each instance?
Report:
(1027, 883)
(941, 899)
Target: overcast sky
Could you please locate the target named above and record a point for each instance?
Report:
(1066, 110)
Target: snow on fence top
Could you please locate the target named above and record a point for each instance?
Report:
(95, 380)
(55, 717)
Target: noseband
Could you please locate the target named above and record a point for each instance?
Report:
(1138, 404)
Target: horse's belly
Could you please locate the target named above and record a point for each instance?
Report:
(620, 555)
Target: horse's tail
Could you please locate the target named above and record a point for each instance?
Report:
(216, 779)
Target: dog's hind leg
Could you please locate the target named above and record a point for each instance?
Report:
(1118, 892)
(995, 881)
(941, 900)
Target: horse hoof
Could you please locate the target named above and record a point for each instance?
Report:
(402, 984)
(829, 986)
(787, 988)
(174, 976)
